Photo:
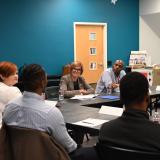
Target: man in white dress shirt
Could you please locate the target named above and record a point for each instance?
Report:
(31, 111)
(110, 78)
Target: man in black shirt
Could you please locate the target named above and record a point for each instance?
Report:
(133, 129)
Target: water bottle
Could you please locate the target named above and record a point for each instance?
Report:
(61, 95)
(156, 117)
(43, 96)
(109, 89)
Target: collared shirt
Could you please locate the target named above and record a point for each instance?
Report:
(31, 111)
(7, 93)
(108, 77)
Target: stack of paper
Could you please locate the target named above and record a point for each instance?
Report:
(51, 103)
(91, 122)
(81, 97)
(158, 88)
(115, 111)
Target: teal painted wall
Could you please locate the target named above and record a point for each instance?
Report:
(41, 31)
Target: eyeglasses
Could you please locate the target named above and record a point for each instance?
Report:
(77, 69)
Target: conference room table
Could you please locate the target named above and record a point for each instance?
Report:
(75, 110)
(154, 99)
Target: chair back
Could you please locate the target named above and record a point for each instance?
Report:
(53, 80)
(114, 153)
(66, 69)
(52, 92)
(25, 144)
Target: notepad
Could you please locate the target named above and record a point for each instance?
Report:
(109, 97)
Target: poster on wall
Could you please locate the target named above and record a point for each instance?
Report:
(139, 58)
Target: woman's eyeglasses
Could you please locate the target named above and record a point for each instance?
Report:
(77, 69)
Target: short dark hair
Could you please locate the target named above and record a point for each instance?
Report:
(33, 77)
(133, 88)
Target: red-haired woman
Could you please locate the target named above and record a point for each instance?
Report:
(8, 77)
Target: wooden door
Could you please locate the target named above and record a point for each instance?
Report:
(90, 49)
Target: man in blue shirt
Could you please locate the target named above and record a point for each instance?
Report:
(31, 111)
(111, 78)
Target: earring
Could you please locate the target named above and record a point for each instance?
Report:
(2, 77)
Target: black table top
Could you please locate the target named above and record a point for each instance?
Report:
(75, 110)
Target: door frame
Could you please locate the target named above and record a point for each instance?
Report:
(104, 39)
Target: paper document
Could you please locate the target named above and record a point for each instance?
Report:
(51, 103)
(81, 97)
(158, 88)
(111, 110)
(91, 122)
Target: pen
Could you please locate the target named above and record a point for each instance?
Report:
(87, 122)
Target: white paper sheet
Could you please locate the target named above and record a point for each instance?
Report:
(91, 122)
(51, 103)
(115, 111)
(158, 88)
(82, 97)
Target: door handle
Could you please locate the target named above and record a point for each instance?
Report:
(100, 64)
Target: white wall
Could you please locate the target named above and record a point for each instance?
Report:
(149, 28)
(149, 6)
(149, 41)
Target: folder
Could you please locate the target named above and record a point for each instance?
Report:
(109, 97)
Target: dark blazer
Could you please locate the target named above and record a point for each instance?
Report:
(132, 130)
(67, 85)
(28, 144)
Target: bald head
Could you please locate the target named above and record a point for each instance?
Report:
(120, 62)
(118, 66)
